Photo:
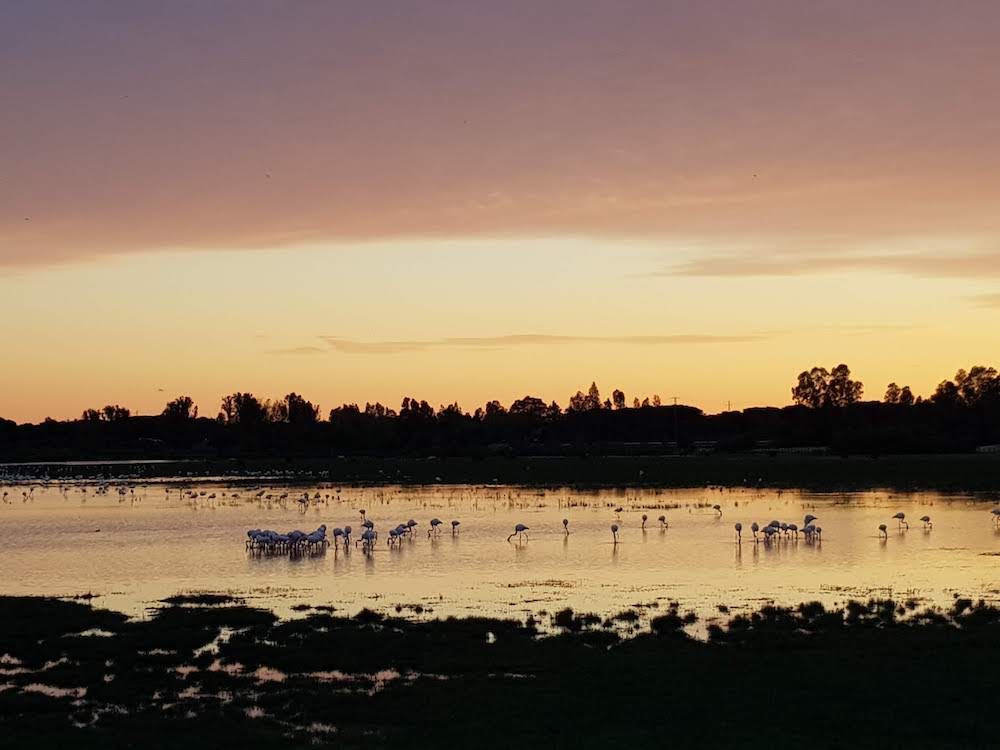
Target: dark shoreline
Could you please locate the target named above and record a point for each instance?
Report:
(950, 472)
(875, 674)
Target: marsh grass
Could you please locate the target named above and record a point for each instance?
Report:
(882, 673)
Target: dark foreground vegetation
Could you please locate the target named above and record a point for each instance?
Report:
(954, 473)
(876, 674)
(962, 415)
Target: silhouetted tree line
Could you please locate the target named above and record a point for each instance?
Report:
(960, 415)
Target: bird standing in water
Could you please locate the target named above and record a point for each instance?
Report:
(518, 532)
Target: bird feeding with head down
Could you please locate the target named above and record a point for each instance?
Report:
(901, 520)
(519, 530)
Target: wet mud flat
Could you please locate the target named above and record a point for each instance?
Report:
(209, 671)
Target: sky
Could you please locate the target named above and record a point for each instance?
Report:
(470, 200)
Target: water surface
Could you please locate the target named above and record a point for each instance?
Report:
(134, 544)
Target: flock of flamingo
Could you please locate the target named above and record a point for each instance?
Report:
(298, 541)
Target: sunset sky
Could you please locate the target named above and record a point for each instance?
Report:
(474, 199)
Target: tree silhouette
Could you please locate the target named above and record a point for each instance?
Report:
(529, 406)
(589, 401)
(299, 411)
(182, 407)
(242, 408)
(978, 386)
(818, 387)
(899, 396)
(115, 413)
(618, 399)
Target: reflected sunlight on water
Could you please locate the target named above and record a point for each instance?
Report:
(135, 544)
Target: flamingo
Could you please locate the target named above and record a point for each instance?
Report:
(366, 540)
(663, 522)
(755, 527)
(347, 536)
(819, 533)
(901, 520)
(739, 533)
(519, 529)
(996, 515)
(794, 529)
(614, 532)
(717, 509)
(808, 519)
(927, 522)
(435, 522)
(644, 519)
(566, 526)
(882, 530)
(454, 527)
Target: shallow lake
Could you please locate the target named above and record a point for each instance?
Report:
(134, 544)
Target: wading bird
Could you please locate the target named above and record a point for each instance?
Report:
(717, 509)
(454, 527)
(739, 533)
(901, 520)
(927, 522)
(644, 519)
(518, 532)
(808, 519)
(566, 526)
(614, 532)
(882, 530)
(435, 523)
(663, 522)
(755, 527)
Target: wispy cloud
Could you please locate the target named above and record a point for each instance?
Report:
(938, 264)
(985, 300)
(353, 346)
(299, 350)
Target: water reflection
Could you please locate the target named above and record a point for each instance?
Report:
(158, 540)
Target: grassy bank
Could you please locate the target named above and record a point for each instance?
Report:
(958, 472)
(872, 675)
